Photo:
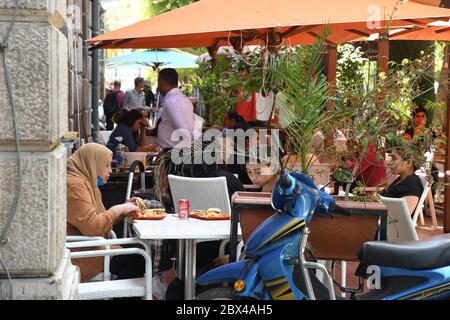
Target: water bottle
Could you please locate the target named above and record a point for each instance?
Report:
(120, 150)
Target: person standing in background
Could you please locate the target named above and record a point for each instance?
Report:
(177, 112)
(419, 128)
(149, 95)
(112, 104)
(135, 98)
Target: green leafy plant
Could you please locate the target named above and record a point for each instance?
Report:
(161, 6)
(218, 85)
(376, 117)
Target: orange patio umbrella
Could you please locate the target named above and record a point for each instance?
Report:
(213, 23)
(431, 33)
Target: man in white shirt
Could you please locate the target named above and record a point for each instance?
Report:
(177, 113)
(135, 98)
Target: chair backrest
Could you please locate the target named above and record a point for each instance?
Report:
(426, 189)
(400, 226)
(202, 193)
(105, 136)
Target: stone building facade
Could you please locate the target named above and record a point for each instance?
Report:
(79, 29)
(50, 78)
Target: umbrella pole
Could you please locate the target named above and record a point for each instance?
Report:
(157, 98)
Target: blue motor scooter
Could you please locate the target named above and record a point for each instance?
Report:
(275, 267)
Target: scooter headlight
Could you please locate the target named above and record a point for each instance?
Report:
(239, 285)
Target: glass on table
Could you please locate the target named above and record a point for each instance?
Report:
(153, 204)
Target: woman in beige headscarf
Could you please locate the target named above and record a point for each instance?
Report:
(86, 169)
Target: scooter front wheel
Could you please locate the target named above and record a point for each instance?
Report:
(216, 294)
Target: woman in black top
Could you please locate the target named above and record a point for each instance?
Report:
(407, 185)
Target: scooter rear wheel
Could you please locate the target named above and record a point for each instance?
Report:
(216, 294)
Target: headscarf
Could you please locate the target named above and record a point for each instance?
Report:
(85, 164)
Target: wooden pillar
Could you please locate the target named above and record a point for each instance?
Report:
(447, 154)
(383, 53)
(213, 53)
(331, 72)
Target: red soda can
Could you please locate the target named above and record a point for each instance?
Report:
(183, 209)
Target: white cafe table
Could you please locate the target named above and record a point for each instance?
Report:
(187, 232)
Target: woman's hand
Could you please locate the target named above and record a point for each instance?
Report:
(128, 208)
(123, 210)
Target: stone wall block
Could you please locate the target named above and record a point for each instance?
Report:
(37, 57)
(32, 9)
(61, 285)
(37, 234)
(62, 85)
(47, 5)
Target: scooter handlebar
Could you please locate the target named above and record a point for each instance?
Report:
(343, 211)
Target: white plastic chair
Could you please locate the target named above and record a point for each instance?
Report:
(427, 194)
(203, 193)
(239, 248)
(400, 226)
(418, 212)
(103, 136)
(107, 289)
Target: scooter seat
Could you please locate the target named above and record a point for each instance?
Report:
(427, 254)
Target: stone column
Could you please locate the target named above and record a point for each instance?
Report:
(37, 59)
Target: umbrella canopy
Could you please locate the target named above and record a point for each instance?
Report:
(440, 32)
(213, 23)
(155, 59)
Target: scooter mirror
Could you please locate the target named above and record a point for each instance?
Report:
(343, 175)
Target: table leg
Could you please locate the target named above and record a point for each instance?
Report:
(190, 269)
(180, 259)
(233, 234)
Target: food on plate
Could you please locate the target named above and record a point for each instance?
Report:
(141, 205)
(152, 213)
(210, 213)
(143, 212)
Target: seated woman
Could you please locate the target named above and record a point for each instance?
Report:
(232, 120)
(263, 171)
(131, 126)
(407, 185)
(87, 168)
